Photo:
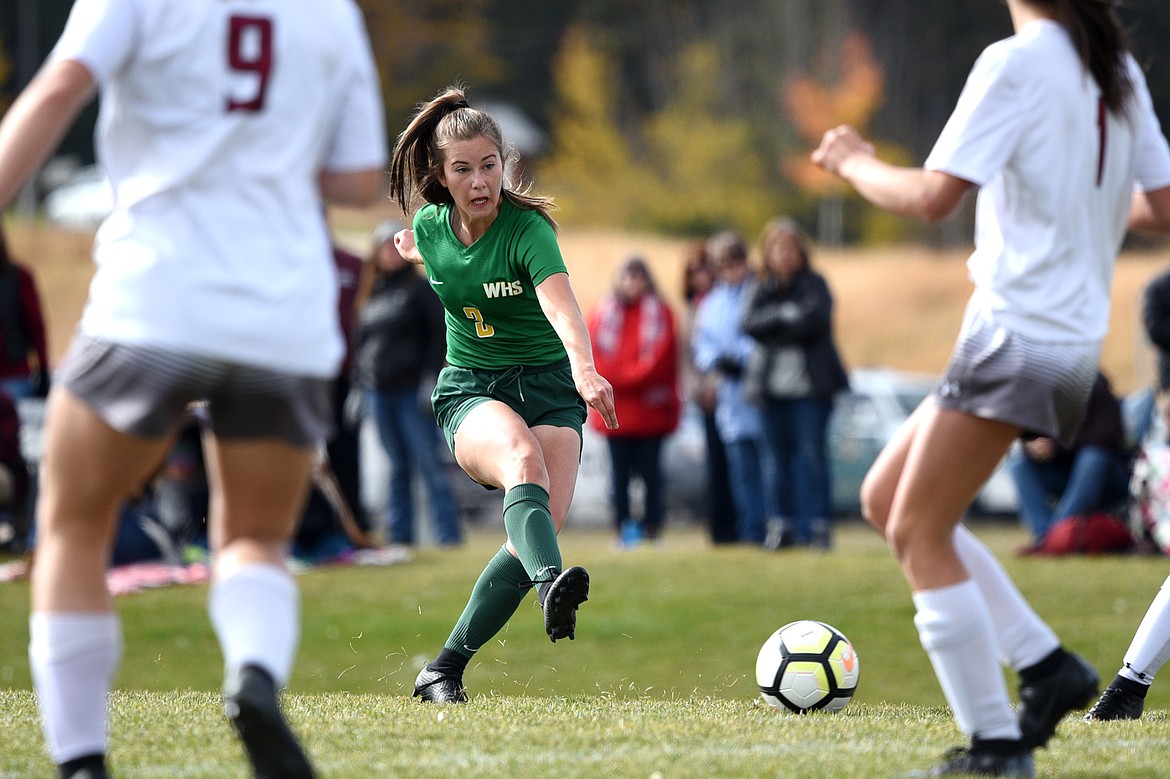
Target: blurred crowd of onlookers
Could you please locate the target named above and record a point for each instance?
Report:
(1109, 489)
(752, 354)
(758, 358)
(756, 355)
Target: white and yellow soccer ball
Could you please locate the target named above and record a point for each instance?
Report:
(807, 666)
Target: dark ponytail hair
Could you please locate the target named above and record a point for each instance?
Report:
(1101, 42)
(421, 149)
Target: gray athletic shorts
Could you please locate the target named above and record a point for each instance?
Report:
(145, 391)
(1039, 386)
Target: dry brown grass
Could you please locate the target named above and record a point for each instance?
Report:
(895, 307)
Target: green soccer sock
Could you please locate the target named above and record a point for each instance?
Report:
(531, 531)
(494, 599)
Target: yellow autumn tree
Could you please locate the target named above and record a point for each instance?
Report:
(687, 168)
(709, 171)
(423, 46)
(590, 157)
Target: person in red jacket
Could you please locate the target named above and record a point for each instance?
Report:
(635, 345)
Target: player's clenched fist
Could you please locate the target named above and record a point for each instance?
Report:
(837, 145)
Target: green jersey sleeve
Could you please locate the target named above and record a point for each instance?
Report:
(537, 250)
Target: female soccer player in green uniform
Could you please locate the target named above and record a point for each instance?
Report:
(513, 399)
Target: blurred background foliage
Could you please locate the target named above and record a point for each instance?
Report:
(677, 116)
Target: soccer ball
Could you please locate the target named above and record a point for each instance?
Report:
(807, 666)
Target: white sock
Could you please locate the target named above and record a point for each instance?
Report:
(255, 612)
(1150, 647)
(1023, 639)
(73, 657)
(955, 628)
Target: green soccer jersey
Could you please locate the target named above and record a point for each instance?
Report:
(488, 289)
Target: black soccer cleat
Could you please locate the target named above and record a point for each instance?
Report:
(1118, 701)
(87, 767)
(567, 591)
(973, 761)
(95, 772)
(250, 702)
(1045, 701)
(91, 772)
(436, 687)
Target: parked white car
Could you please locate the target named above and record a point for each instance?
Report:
(866, 418)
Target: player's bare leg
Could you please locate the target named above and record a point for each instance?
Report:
(258, 489)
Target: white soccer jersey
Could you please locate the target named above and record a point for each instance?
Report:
(216, 118)
(1057, 172)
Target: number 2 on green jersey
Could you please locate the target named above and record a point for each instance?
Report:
(482, 328)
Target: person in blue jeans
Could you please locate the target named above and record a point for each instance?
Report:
(1092, 474)
(400, 349)
(721, 352)
(794, 376)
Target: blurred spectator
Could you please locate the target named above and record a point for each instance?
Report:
(795, 375)
(140, 537)
(166, 520)
(343, 448)
(1090, 475)
(1156, 318)
(181, 492)
(150, 527)
(319, 536)
(14, 480)
(698, 280)
(400, 348)
(721, 352)
(698, 273)
(1150, 507)
(635, 346)
(22, 331)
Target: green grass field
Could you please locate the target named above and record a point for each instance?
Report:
(658, 683)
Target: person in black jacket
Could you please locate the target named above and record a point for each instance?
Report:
(795, 375)
(400, 349)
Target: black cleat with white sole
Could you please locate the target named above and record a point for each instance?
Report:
(1045, 701)
(978, 761)
(561, 600)
(1122, 699)
(250, 702)
(433, 686)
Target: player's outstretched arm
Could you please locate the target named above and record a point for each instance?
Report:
(35, 123)
(917, 193)
(352, 188)
(1150, 211)
(560, 306)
